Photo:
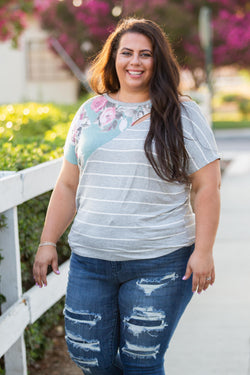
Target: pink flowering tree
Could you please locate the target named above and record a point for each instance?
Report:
(81, 26)
(13, 19)
(232, 37)
(80, 29)
(13, 16)
(231, 34)
(179, 18)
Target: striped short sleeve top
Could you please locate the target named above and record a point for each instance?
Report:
(125, 211)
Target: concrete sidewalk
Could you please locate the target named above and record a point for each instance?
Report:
(213, 337)
(233, 140)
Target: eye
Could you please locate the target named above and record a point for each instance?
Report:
(146, 54)
(126, 53)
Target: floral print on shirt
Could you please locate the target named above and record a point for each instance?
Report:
(110, 114)
(105, 115)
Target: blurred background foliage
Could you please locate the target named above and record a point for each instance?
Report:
(81, 26)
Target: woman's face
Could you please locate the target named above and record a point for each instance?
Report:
(134, 62)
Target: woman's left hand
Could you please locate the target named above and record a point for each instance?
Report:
(201, 265)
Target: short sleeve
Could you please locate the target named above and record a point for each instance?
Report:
(70, 153)
(198, 137)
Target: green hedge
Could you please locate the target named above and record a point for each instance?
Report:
(242, 102)
(32, 133)
(231, 124)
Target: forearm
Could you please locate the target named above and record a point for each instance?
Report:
(60, 213)
(207, 212)
(206, 205)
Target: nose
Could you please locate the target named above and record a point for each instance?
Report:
(135, 59)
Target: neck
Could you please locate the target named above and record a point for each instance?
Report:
(131, 97)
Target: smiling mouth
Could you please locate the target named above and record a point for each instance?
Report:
(134, 73)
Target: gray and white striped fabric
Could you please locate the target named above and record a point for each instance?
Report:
(124, 210)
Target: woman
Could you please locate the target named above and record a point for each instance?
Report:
(131, 156)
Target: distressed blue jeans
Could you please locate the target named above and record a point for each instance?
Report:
(120, 316)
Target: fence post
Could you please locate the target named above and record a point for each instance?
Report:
(11, 287)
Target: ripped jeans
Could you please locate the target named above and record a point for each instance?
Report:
(120, 316)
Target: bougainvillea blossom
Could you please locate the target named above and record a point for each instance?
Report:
(90, 22)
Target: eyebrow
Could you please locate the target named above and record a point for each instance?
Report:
(142, 50)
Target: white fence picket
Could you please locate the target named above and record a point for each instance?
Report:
(21, 310)
(30, 307)
(12, 324)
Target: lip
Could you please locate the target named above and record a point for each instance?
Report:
(140, 72)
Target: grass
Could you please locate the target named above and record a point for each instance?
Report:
(231, 124)
(231, 111)
(230, 120)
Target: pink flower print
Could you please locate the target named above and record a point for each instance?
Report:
(107, 117)
(82, 114)
(98, 103)
(123, 124)
(74, 135)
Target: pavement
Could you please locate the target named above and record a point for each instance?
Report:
(213, 336)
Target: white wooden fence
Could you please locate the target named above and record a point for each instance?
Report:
(22, 309)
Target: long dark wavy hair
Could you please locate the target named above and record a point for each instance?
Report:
(165, 135)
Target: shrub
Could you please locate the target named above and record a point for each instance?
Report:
(244, 107)
(30, 134)
(228, 98)
(243, 103)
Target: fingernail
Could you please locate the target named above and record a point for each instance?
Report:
(40, 286)
(36, 284)
(184, 278)
(58, 272)
(199, 292)
(45, 284)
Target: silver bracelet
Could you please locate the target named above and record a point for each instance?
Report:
(46, 243)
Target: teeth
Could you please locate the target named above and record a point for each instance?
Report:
(135, 73)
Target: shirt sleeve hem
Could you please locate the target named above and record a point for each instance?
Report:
(202, 165)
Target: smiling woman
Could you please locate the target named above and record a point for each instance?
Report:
(131, 156)
(134, 67)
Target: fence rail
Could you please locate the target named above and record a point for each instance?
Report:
(19, 310)
(19, 187)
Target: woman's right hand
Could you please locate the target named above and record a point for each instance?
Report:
(45, 256)
(60, 213)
